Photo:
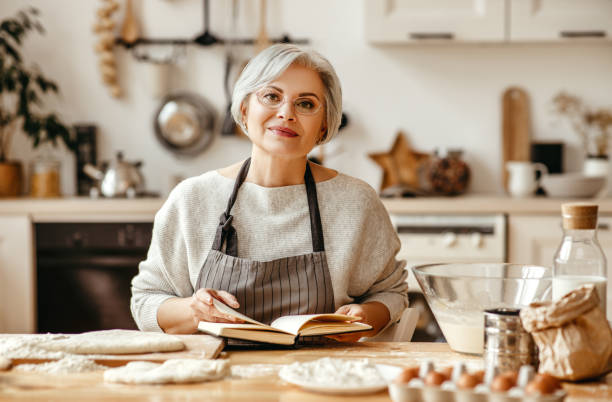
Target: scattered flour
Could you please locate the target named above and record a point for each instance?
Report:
(171, 371)
(66, 365)
(255, 370)
(4, 363)
(333, 373)
(30, 346)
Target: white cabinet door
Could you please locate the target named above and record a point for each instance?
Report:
(534, 240)
(425, 21)
(560, 20)
(17, 275)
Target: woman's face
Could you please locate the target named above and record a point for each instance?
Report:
(287, 116)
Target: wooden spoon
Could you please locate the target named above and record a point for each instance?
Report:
(129, 31)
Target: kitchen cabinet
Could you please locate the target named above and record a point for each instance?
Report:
(560, 20)
(17, 290)
(534, 239)
(449, 21)
(425, 21)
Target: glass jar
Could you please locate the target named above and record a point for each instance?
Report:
(448, 173)
(579, 258)
(45, 177)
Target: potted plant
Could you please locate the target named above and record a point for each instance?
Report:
(594, 126)
(22, 91)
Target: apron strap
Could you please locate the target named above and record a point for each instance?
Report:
(316, 230)
(226, 232)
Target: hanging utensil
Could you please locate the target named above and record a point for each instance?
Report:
(129, 30)
(262, 40)
(229, 125)
(206, 38)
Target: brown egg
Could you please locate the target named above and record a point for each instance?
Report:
(447, 371)
(480, 376)
(407, 374)
(434, 378)
(512, 375)
(467, 381)
(539, 387)
(552, 382)
(502, 383)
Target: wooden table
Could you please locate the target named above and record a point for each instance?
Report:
(91, 387)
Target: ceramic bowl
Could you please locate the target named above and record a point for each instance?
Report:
(572, 185)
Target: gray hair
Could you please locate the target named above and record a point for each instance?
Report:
(269, 64)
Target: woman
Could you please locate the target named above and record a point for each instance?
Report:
(294, 237)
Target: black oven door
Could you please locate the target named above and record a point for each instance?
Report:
(84, 285)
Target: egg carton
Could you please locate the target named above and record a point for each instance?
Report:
(416, 390)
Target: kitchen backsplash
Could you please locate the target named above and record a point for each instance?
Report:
(440, 96)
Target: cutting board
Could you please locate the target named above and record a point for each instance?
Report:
(199, 346)
(516, 131)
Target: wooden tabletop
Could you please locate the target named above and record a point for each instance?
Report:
(91, 387)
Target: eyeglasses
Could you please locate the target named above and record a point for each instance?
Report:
(274, 99)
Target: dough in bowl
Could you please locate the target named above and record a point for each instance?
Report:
(115, 341)
(171, 371)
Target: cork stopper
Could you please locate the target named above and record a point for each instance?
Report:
(579, 216)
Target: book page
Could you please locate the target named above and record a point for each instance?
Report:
(225, 309)
(293, 323)
(290, 324)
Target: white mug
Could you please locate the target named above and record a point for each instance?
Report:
(522, 181)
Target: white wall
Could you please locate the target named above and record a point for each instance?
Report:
(439, 95)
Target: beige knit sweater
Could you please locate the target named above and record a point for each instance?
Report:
(272, 223)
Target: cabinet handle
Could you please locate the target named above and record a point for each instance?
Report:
(582, 34)
(603, 226)
(431, 35)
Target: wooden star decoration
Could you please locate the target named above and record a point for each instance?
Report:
(401, 164)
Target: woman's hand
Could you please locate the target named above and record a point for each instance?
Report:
(202, 308)
(182, 315)
(375, 314)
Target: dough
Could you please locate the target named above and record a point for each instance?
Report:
(67, 365)
(171, 371)
(4, 363)
(115, 341)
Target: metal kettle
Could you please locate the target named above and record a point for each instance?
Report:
(119, 178)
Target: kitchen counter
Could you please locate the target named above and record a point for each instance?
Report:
(145, 208)
(90, 386)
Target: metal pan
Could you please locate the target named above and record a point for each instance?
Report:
(184, 123)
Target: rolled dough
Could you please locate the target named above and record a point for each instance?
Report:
(115, 341)
(171, 371)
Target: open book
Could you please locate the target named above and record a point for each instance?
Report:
(284, 330)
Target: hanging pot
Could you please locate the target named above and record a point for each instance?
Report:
(184, 123)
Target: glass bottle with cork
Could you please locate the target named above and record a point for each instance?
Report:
(579, 258)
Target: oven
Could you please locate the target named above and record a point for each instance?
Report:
(446, 238)
(84, 273)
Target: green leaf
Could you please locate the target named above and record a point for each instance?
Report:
(10, 50)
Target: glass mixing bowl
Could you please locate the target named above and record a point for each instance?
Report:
(458, 294)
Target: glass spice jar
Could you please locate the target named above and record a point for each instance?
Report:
(45, 177)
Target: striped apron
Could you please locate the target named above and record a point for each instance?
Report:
(267, 290)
